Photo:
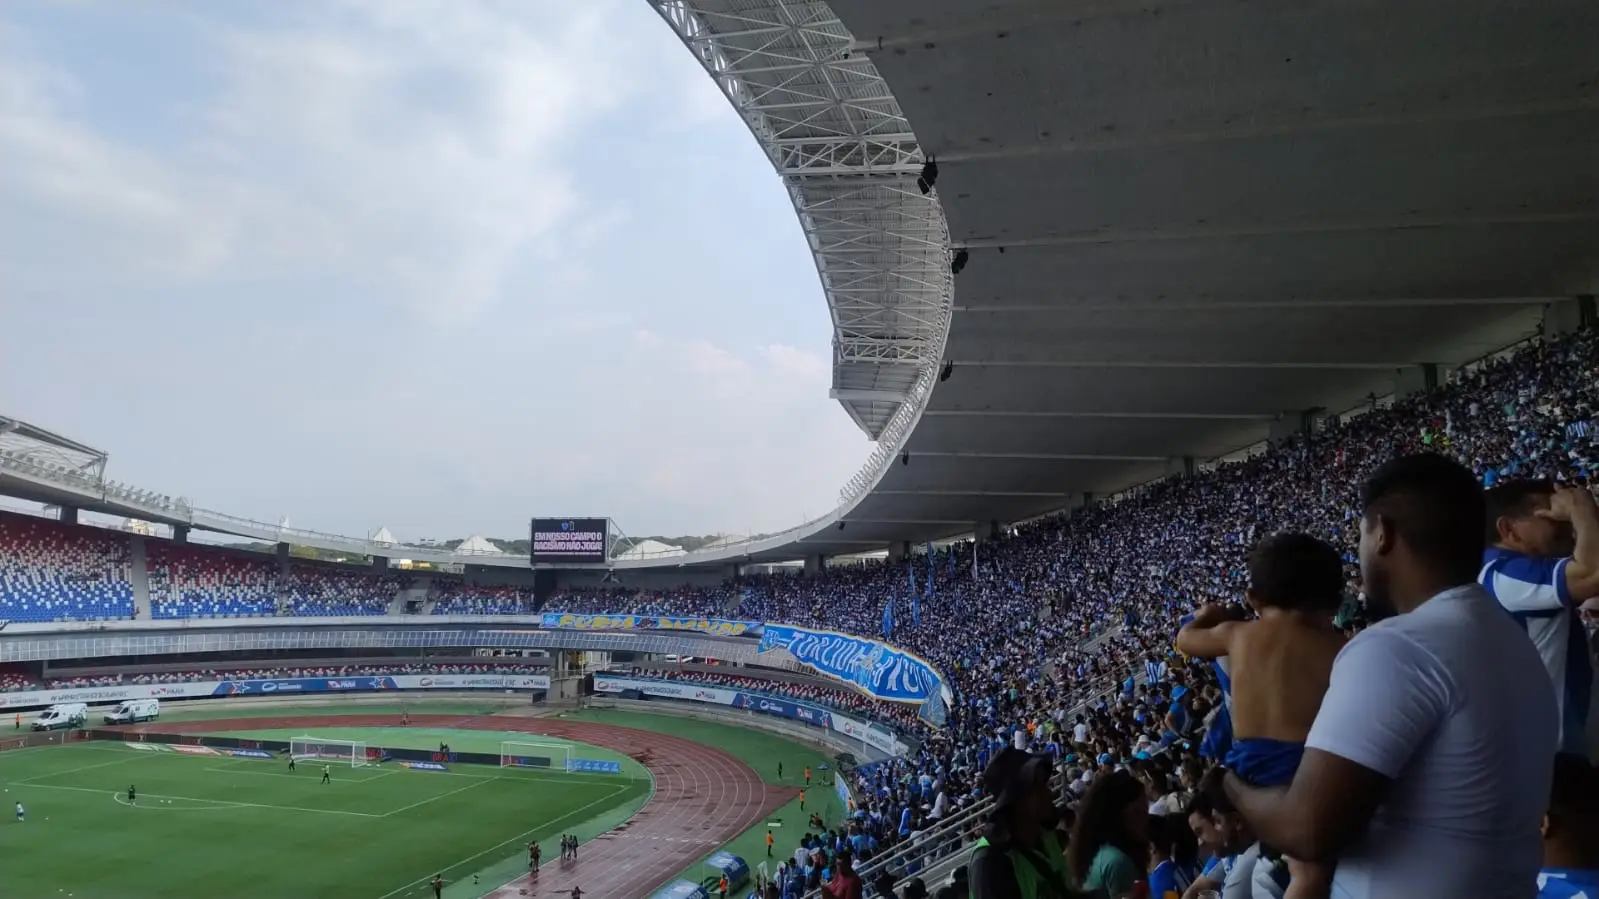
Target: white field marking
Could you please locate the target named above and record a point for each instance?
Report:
(98, 746)
(422, 802)
(31, 781)
(117, 798)
(220, 802)
(243, 768)
(516, 839)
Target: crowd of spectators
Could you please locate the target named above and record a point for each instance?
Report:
(1069, 621)
(1066, 623)
(314, 590)
(453, 597)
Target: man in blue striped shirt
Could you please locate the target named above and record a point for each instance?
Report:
(1542, 564)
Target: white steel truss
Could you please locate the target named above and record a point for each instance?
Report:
(850, 164)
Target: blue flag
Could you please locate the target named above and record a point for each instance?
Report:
(916, 611)
(932, 573)
(888, 618)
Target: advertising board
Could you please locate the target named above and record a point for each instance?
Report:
(569, 541)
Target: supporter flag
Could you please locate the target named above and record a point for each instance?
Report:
(888, 618)
(932, 573)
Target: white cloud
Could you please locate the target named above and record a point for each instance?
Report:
(440, 264)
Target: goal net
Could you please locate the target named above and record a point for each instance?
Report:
(352, 752)
(556, 756)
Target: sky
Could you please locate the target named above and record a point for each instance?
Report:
(438, 267)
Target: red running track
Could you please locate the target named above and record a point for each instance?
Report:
(703, 798)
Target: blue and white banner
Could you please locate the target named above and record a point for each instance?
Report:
(250, 754)
(593, 766)
(873, 735)
(785, 708)
(423, 766)
(604, 683)
(871, 665)
(716, 627)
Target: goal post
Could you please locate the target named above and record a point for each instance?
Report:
(553, 756)
(352, 752)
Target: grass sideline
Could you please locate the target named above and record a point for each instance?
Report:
(215, 825)
(496, 866)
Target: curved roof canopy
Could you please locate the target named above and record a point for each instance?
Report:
(1179, 226)
(1184, 222)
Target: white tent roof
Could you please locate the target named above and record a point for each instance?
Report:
(652, 549)
(476, 545)
(383, 536)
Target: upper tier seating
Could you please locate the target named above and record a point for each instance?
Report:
(55, 572)
(452, 597)
(195, 582)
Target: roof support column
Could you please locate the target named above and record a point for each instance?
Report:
(1415, 379)
(984, 531)
(1568, 316)
(1289, 425)
(69, 514)
(180, 533)
(380, 564)
(1180, 466)
(814, 563)
(899, 551)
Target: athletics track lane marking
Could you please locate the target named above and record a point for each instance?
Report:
(515, 839)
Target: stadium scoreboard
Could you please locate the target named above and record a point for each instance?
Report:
(570, 541)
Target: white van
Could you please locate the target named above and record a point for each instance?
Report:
(70, 714)
(134, 710)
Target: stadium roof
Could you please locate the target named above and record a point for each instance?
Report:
(1180, 225)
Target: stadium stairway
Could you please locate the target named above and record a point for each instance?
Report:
(139, 575)
(403, 599)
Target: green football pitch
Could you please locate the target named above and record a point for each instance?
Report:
(221, 826)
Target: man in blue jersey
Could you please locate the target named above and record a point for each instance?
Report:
(1427, 770)
(1542, 564)
(1571, 833)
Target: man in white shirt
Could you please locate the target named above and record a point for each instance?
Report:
(1542, 565)
(1428, 766)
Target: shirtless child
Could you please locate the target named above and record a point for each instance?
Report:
(1279, 664)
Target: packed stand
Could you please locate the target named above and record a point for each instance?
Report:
(211, 674)
(452, 597)
(318, 590)
(1070, 607)
(50, 571)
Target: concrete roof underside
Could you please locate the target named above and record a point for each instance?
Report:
(1186, 219)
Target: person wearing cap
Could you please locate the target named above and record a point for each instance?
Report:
(1019, 856)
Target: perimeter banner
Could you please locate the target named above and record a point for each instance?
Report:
(716, 627)
(870, 665)
(873, 735)
(270, 687)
